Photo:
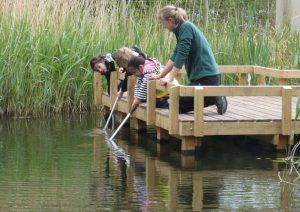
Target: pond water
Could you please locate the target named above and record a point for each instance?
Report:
(68, 164)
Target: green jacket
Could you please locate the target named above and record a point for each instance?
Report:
(194, 52)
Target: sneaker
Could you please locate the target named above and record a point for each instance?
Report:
(221, 103)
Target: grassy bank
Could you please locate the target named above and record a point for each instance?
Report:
(45, 48)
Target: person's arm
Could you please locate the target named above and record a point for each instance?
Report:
(135, 104)
(120, 94)
(137, 94)
(170, 78)
(168, 67)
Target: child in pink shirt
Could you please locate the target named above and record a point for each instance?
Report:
(143, 68)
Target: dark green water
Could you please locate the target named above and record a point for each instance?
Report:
(62, 164)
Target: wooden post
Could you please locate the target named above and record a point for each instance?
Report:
(198, 111)
(120, 116)
(242, 79)
(261, 80)
(130, 91)
(97, 88)
(174, 111)
(151, 101)
(188, 144)
(283, 81)
(198, 143)
(286, 122)
(162, 134)
(188, 161)
(113, 87)
(162, 150)
(139, 125)
(281, 141)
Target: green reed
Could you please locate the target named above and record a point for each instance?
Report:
(45, 48)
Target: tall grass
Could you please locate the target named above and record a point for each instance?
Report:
(45, 46)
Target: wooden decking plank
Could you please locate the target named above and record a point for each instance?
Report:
(189, 117)
(263, 103)
(232, 112)
(278, 100)
(274, 103)
(210, 114)
(242, 116)
(164, 112)
(267, 100)
(241, 107)
(185, 116)
(255, 106)
(255, 117)
(230, 115)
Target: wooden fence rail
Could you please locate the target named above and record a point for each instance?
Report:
(271, 109)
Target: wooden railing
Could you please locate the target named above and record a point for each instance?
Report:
(261, 72)
(241, 71)
(148, 113)
(199, 92)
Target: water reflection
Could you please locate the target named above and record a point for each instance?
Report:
(62, 164)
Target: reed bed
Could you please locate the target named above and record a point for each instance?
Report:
(45, 46)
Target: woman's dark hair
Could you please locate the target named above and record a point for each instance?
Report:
(139, 51)
(100, 59)
(136, 61)
(94, 61)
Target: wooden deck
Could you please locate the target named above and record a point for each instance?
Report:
(241, 109)
(252, 110)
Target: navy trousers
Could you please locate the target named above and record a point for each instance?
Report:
(186, 104)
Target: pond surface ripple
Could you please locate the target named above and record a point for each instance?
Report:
(68, 164)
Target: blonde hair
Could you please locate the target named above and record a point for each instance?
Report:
(123, 55)
(171, 11)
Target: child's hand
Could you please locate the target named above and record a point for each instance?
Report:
(163, 81)
(120, 94)
(135, 104)
(153, 77)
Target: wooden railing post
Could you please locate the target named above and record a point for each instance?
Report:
(97, 88)
(261, 80)
(286, 122)
(130, 91)
(151, 101)
(174, 111)
(242, 79)
(198, 111)
(113, 87)
(283, 81)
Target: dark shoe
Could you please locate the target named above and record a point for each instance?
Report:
(221, 103)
